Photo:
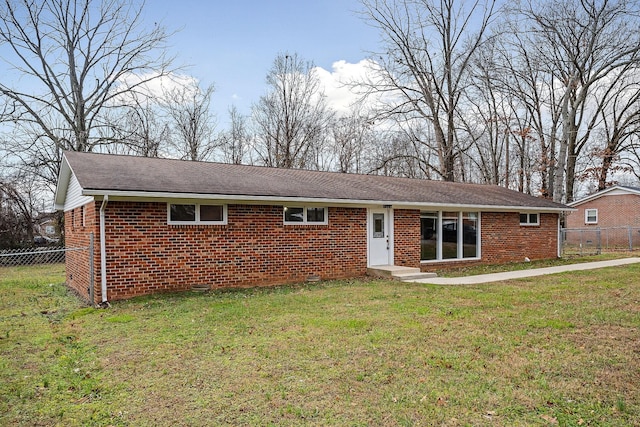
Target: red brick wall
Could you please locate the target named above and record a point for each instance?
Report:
(406, 244)
(77, 235)
(504, 240)
(613, 211)
(146, 255)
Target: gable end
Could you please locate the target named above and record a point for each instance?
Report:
(74, 197)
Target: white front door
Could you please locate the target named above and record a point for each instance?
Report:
(380, 237)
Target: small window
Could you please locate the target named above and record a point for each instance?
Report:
(591, 216)
(305, 215)
(182, 213)
(378, 225)
(293, 214)
(315, 214)
(196, 214)
(211, 213)
(529, 219)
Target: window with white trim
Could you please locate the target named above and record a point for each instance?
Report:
(196, 213)
(591, 216)
(305, 215)
(529, 218)
(449, 236)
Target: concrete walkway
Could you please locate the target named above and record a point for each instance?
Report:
(497, 277)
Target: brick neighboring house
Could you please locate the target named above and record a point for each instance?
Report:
(613, 213)
(617, 206)
(166, 225)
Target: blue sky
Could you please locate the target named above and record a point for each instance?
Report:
(233, 43)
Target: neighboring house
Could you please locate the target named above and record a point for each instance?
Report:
(46, 229)
(167, 225)
(609, 218)
(617, 206)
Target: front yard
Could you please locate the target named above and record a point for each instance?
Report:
(553, 350)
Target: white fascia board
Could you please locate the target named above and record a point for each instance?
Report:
(64, 177)
(591, 197)
(242, 199)
(616, 188)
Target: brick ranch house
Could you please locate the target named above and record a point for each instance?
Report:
(167, 225)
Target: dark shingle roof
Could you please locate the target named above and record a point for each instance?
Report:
(102, 172)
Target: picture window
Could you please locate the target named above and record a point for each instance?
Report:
(449, 235)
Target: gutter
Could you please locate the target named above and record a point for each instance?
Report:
(103, 250)
(154, 196)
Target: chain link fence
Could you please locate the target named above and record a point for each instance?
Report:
(591, 241)
(50, 254)
(77, 263)
(32, 256)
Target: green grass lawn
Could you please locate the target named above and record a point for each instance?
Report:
(554, 350)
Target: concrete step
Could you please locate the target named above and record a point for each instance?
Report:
(398, 272)
(390, 270)
(414, 276)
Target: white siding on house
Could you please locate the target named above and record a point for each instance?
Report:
(74, 196)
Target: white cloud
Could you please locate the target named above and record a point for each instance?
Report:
(338, 82)
(154, 86)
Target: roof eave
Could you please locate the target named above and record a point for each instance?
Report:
(126, 194)
(64, 177)
(603, 193)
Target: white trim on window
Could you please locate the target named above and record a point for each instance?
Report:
(462, 235)
(591, 213)
(302, 213)
(529, 218)
(197, 220)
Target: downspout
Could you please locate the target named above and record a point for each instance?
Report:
(103, 250)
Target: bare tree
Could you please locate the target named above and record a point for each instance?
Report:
(139, 129)
(428, 50)
(504, 118)
(18, 208)
(291, 119)
(524, 77)
(630, 157)
(399, 152)
(618, 108)
(351, 136)
(583, 43)
(234, 142)
(68, 60)
(487, 120)
(192, 121)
